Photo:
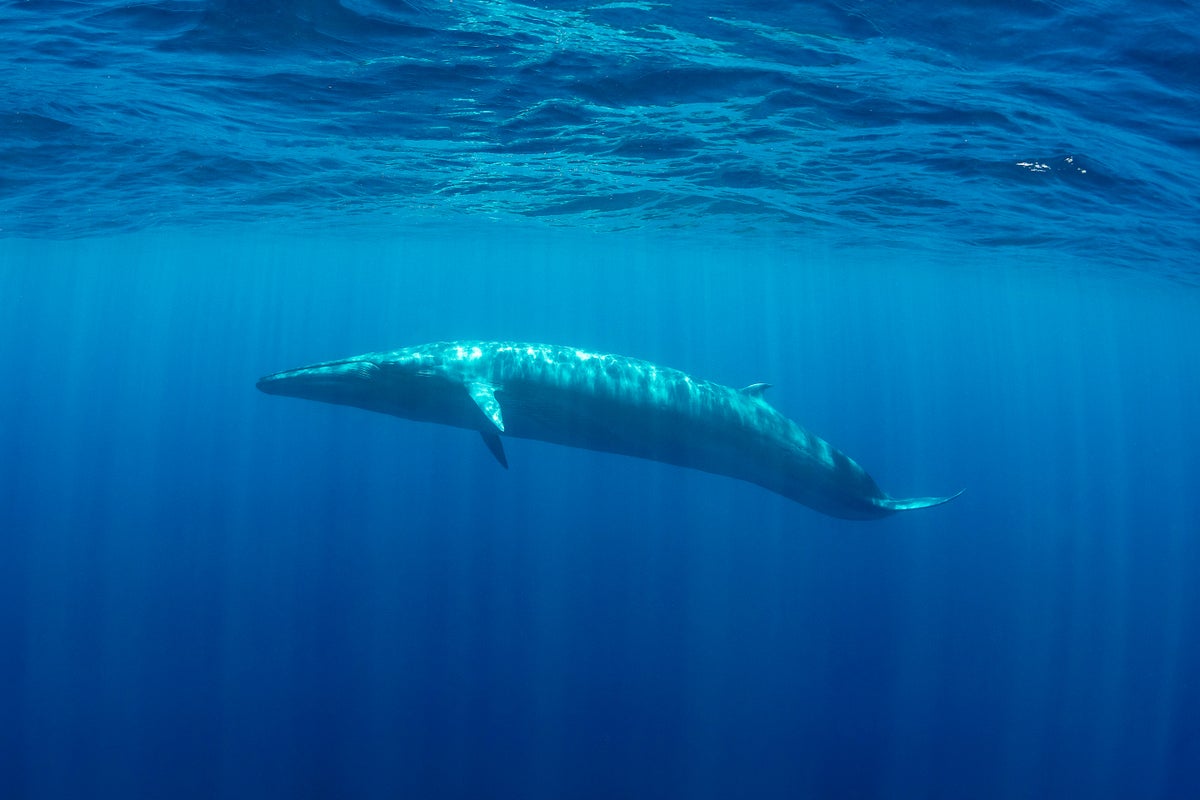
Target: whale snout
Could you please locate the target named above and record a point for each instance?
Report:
(330, 382)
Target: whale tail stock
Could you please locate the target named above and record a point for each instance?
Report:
(910, 503)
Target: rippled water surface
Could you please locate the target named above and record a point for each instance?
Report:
(1060, 127)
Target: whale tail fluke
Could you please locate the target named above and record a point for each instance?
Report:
(910, 503)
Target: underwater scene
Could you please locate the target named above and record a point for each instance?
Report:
(485, 399)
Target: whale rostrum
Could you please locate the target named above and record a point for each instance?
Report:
(595, 401)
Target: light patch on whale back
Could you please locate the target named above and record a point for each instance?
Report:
(824, 451)
(464, 354)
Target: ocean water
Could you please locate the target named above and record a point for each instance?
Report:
(959, 240)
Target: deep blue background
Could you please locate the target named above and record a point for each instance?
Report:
(206, 591)
(959, 238)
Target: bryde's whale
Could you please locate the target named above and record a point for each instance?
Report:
(600, 402)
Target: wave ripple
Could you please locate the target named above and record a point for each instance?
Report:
(992, 125)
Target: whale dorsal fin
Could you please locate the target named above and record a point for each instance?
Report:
(484, 395)
(755, 390)
(492, 440)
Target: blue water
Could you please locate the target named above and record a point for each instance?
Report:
(959, 240)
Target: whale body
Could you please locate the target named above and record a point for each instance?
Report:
(596, 401)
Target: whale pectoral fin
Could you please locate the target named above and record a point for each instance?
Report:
(494, 444)
(484, 395)
(755, 390)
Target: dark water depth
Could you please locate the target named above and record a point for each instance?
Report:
(209, 592)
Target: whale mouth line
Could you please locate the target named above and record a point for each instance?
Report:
(284, 382)
(329, 375)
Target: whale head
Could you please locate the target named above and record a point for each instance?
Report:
(403, 383)
(352, 381)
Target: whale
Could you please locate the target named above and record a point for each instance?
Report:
(603, 402)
